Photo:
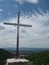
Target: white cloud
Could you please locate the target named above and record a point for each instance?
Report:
(37, 36)
(1, 10)
(31, 1)
(20, 1)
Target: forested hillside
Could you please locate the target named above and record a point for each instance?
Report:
(4, 55)
(41, 58)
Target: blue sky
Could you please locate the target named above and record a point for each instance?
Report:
(33, 12)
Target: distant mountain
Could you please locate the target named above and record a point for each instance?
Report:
(28, 49)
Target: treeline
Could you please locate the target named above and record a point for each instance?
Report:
(41, 58)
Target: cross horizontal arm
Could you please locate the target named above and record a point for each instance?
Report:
(18, 24)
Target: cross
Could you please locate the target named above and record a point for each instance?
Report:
(18, 25)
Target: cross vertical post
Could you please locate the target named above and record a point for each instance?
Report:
(17, 50)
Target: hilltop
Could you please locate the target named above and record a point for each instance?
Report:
(4, 55)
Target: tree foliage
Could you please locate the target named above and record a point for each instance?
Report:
(41, 58)
(4, 55)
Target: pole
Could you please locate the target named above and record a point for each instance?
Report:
(17, 52)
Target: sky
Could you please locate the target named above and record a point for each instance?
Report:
(32, 12)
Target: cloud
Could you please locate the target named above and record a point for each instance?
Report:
(1, 10)
(1, 27)
(15, 6)
(36, 36)
(23, 31)
(31, 1)
(7, 39)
